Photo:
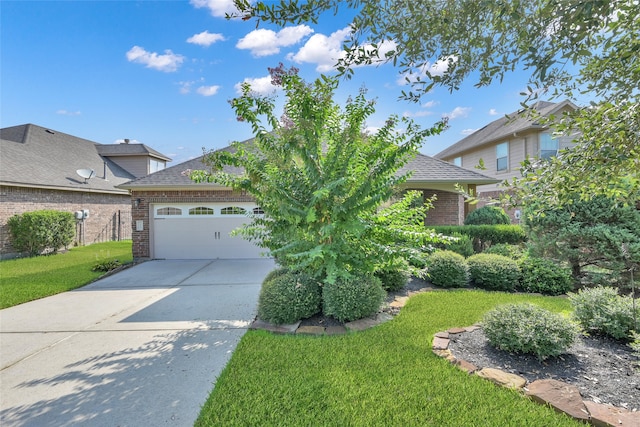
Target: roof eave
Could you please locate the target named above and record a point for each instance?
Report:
(61, 188)
(172, 187)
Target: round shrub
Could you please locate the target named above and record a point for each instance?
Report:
(511, 251)
(353, 298)
(275, 273)
(493, 272)
(448, 269)
(487, 215)
(602, 311)
(544, 276)
(393, 279)
(529, 329)
(288, 297)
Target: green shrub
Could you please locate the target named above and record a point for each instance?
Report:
(106, 265)
(602, 311)
(493, 272)
(463, 245)
(487, 215)
(635, 344)
(352, 298)
(288, 297)
(275, 273)
(393, 279)
(544, 276)
(37, 231)
(448, 269)
(528, 329)
(511, 251)
(484, 236)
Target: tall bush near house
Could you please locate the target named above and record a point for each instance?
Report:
(320, 179)
(487, 215)
(37, 231)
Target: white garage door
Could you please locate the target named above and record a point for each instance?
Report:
(201, 231)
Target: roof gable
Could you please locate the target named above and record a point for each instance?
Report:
(518, 121)
(126, 149)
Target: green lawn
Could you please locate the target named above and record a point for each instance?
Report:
(27, 279)
(385, 376)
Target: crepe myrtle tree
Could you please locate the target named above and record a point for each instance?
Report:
(321, 179)
(571, 48)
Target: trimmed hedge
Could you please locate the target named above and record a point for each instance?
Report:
(529, 329)
(462, 246)
(516, 252)
(484, 236)
(494, 272)
(353, 298)
(287, 297)
(544, 276)
(487, 215)
(37, 231)
(393, 279)
(448, 269)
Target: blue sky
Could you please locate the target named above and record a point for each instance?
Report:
(162, 72)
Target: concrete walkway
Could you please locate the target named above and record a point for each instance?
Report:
(142, 347)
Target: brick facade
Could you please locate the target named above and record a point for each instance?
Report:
(448, 208)
(109, 214)
(143, 200)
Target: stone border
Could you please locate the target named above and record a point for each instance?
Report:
(559, 395)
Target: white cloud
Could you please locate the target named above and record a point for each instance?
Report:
(217, 7)
(437, 69)
(131, 141)
(421, 113)
(493, 112)
(259, 85)
(185, 87)
(458, 112)
(208, 90)
(68, 113)
(467, 131)
(205, 38)
(430, 104)
(262, 42)
(168, 62)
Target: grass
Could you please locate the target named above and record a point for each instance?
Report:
(385, 376)
(27, 279)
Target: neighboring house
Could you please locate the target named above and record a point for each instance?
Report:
(503, 144)
(38, 170)
(176, 218)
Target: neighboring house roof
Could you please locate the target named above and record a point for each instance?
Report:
(126, 149)
(34, 156)
(504, 127)
(425, 170)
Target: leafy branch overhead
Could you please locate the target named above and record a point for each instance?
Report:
(320, 179)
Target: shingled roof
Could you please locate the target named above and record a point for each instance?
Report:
(126, 149)
(425, 170)
(515, 122)
(34, 156)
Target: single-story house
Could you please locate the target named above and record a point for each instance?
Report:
(41, 168)
(176, 218)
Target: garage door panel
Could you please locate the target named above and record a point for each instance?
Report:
(201, 238)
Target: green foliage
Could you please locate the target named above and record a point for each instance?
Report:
(487, 215)
(512, 251)
(393, 279)
(448, 269)
(37, 231)
(484, 236)
(586, 232)
(353, 298)
(288, 297)
(493, 272)
(528, 329)
(320, 179)
(106, 265)
(544, 276)
(275, 273)
(602, 311)
(635, 344)
(460, 244)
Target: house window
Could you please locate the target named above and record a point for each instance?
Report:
(200, 210)
(548, 146)
(169, 211)
(502, 156)
(258, 211)
(232, 210)
(457, 161)
(156, 165)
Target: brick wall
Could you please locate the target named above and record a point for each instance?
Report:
(448, 208)
(109, 214)
(142, 201)
(495, 195)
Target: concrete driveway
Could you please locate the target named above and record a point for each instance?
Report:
(142, 347)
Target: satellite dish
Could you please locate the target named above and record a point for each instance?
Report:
(86, 174)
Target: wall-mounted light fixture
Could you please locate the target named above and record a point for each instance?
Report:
(136, 202)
